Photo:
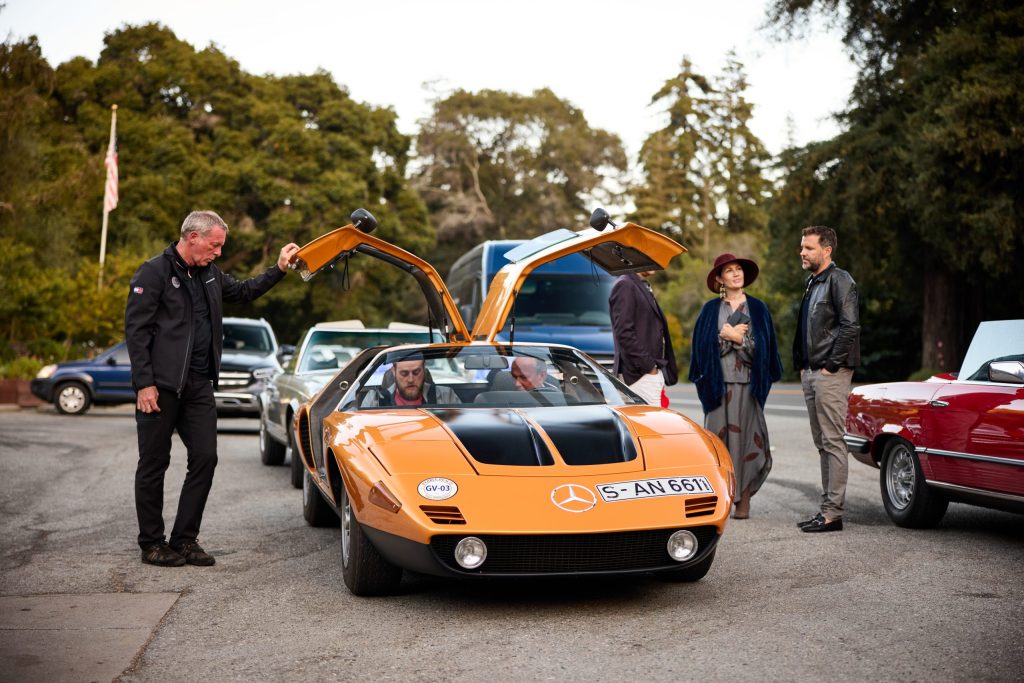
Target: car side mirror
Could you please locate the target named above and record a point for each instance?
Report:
(1008, 371)
(111, 361)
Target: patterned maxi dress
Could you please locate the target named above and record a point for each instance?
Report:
(739, 420)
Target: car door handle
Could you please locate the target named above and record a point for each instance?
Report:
(937, 403)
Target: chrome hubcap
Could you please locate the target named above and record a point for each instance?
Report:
(899, 478)
(346, 525)
(306, 490)
(71, 399)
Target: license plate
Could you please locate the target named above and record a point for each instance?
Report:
(652, 488)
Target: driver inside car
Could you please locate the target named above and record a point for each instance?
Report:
(408, 386)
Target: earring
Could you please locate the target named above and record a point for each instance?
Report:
(721, 290)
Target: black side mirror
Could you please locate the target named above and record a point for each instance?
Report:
(364, 220)
(599, 220)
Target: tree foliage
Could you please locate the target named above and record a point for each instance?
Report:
(925, 182)
(499, 165)
(280, 158)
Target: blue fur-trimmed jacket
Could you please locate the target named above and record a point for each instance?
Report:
(706, 359)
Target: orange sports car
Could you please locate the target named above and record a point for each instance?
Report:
(479, 458)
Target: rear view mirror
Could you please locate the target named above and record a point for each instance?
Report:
(485, 362)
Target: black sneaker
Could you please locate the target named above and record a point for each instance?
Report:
(193, 553)
(813, 520)
(161, 555)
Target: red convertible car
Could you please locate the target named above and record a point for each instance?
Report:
(955, 437)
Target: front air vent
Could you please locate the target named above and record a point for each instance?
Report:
(443, 514)
(305, 439)
(702, 506)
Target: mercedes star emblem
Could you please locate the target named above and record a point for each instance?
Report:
(573, 498)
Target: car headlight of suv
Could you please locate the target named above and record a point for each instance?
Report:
(46, 371)
(263, 373)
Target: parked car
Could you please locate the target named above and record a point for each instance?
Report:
(249, 359)
(74, 386)
(324, 349)
(562, 302)
(955, 437)
(576, 476)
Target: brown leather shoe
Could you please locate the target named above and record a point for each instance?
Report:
(161, 555)
(194, 554)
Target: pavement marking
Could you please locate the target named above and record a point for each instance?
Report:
(80, 637)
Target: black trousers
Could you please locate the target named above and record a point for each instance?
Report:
(194, 415)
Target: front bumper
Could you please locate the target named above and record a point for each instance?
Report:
(238, 403)
(42, 389)
(526, 555)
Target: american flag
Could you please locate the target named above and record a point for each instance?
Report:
(110, 191)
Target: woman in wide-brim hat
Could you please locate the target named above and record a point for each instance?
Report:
(734, 360)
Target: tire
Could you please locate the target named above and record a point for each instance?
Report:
(908, 500)
(365, 572)
(315, 509)
(72, 398)
(298, 468)
(271, 452)
(689, 574)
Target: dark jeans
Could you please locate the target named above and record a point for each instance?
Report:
(194, 415)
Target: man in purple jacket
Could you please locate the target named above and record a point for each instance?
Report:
(643, 349)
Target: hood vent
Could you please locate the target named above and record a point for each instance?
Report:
(443, 514)
(699, 507)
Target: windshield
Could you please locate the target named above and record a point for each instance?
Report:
(333, 349)
(994, 340)
(562, 299)
(246, 339)
(485, 377)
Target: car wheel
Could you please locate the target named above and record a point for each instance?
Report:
(694, 572)
(908, 500)
(365, 572)
(315, 509)
(298, 468)
(271, 452)
(72, 398)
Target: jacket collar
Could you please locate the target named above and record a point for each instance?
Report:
(820, 277)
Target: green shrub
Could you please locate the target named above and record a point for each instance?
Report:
(22, 367)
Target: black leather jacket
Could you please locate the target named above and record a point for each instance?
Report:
(833, 323)
(158, 316)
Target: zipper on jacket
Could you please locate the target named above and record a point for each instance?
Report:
(188, 344)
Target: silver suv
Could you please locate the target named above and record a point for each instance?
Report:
(249, 360)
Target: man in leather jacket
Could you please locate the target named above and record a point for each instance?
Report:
(826, 350)
(172, 324)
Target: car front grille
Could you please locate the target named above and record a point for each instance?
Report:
(230, 379)
(570, 553)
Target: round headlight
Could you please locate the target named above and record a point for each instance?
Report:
(682, 545)
(471, 552)
(46, 371)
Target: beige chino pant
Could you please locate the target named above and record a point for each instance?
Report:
(827, 397)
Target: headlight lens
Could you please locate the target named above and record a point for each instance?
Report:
(470, 552)
(46, 371)
(682, 545)
(263, 373)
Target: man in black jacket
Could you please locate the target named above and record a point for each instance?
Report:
(643, 349)
(826, 350)
(173, 328)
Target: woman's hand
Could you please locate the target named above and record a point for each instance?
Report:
(734, 333)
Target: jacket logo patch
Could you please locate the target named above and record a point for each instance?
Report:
(137, 290)
(175, 281)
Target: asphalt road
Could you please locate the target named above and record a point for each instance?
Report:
(874, 602)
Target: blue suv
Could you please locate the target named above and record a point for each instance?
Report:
(76, 385)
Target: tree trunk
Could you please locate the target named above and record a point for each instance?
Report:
(940, 327)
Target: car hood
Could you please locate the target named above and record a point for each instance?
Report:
(629, 248)
(524, 442)
(245, 361)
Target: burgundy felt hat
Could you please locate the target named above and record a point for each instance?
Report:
(750, 270)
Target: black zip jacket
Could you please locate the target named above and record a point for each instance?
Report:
(833, 323)
(158, 316)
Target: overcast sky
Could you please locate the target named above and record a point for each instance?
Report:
(605, 57)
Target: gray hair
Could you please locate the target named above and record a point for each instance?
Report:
(202, 222)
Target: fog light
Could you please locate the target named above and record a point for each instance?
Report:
(471, 552)
(682, 545)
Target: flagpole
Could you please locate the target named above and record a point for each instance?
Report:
(109, 193)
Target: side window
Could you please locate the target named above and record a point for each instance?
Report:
(121, 356)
